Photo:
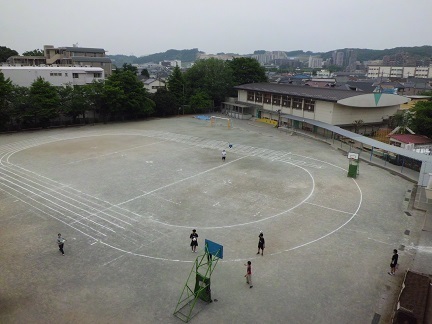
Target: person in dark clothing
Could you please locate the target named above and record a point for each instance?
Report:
(248, 274)
(261, 244)
(194, 240)
(60, 242)
(393, 263)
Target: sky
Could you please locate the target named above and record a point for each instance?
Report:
(142, 27)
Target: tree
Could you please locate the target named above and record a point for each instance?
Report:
(211, 76)
(95, 92)
(74, 101)
(6, 89)
(145, 72)
(35, 52)
(176, 85)
(166, 103)
(44, 101)
(125, 95)
(247, 70)
(130, 67)
(357, 125)
(200, 102)
(421, 121)
(6, 52)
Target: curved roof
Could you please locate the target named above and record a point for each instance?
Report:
(374, 100)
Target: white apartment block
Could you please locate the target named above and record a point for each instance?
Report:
(375, 71)
(315, 62)
(59, 76)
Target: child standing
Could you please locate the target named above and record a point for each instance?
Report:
(248, 274)
(261, 244)
(194, 240)
(223, 155)
(393, 263)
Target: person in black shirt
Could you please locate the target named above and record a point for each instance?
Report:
(261, 244)
(394, 262)
(194, 240)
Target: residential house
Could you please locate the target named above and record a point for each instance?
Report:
(152, 85)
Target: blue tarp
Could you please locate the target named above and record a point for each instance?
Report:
(202, 117)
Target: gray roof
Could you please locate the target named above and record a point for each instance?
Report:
(91, 59)
(84, 49)
(362, 85)
(325, 94)
(363, 139)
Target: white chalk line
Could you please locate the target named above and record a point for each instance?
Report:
(255, 221)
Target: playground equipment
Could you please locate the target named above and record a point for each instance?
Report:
(222, 121)
(197, 287)
(353, 167)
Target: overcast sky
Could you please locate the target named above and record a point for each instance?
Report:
(142, 27)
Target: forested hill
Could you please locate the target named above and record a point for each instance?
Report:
(364, 54)
(188, 55)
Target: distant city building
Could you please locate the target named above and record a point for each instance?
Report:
(315, 62)
(399, 71)
(339, 60)
(224, 57)
(59, 76)
(66, 56)
(172, 63)
(323, 74)
(269, 57)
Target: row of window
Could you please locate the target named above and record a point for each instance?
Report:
(75, 75)
(282, 100)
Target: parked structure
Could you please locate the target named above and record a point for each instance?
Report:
(66, 56)
(24, 76)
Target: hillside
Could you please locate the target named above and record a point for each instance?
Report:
(190, 55)
(187, 55)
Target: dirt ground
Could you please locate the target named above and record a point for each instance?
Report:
(126, 197)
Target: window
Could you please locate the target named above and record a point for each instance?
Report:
(286, 101)
(297, 103)
(250, 96)
(97, 75)
(276, 100)
(267, 98)
(258, 97)
(309, 105)
(75, 75)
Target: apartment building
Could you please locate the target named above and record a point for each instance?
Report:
(66, 56)
(375, 71)
(58, 76)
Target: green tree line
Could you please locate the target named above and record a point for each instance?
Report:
(123, 97)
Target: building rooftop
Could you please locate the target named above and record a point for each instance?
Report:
(411, 138)
(325, 94)
(84, 49)
(51, 68)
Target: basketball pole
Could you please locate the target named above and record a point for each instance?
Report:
(201, 289)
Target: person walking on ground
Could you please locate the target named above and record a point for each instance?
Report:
(261, 244)
(394, 262)
(194, 240)
(248, 274)
(60, 242)
(223, 155)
